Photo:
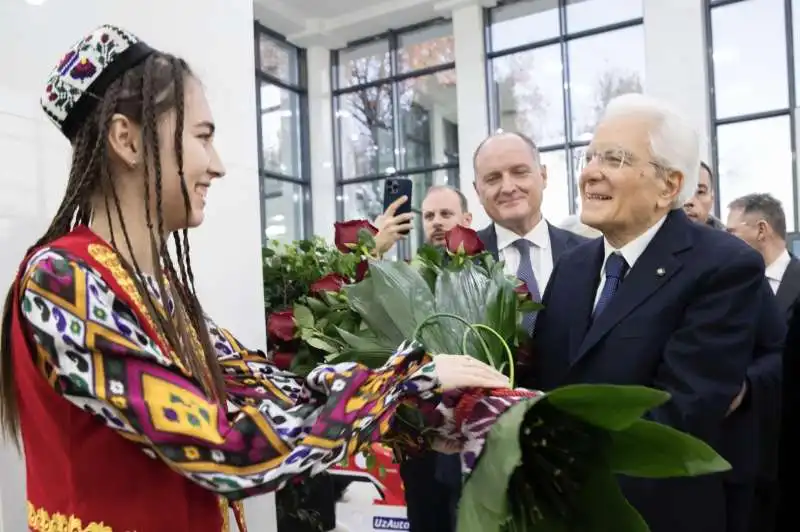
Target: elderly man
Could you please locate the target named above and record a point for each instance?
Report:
(698, 207)
(658, 301)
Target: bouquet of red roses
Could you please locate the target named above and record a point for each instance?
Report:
(548, 462)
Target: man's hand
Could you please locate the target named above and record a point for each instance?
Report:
(737, 401)
(391, 227)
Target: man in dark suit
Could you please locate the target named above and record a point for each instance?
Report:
(760, 221)
(659, 301)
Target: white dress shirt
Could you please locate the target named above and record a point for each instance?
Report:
(630, 252)
(541, 252)
(775, 271)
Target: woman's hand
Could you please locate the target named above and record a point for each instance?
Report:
(391, 227)
(462, 371)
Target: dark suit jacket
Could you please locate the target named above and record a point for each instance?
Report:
(769, 412)
(682, 321)
(433, 480)
(789, 471)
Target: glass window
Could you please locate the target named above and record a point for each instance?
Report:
(282, 142)
(391, 123)
(280, 130)
(556, 199)
(427, 104)
(756, 157)
(749, 57)
(425, 48)
(589, 14)
(366, 132)
(277, 59)
(522, 23)
(530, 94)
(531, 87)
(602, 67)
(284, 210)
(363, 64)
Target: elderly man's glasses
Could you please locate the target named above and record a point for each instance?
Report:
(610, 159)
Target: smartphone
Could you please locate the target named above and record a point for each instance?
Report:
(397, 187)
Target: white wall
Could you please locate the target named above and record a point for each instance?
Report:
(216, 37)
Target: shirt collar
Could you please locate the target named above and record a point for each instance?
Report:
(778, 267)
(539, 236)
(633, 249)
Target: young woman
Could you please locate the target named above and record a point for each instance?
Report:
(136, 412)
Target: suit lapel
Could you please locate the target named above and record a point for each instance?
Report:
(582, 290)
(558, 243)
(488, 236)
(652, 270)
(789, 289)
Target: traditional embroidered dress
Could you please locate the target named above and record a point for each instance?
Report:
(83, 338)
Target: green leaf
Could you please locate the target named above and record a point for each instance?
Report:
(484, 499)
(359, 343)
(608, 406)
(303, 317)
(364, 300)
(603, 507)
(318, 307)
(323, 345)
(407, 300)
(366, 238)
(529, 306)
(461, 292)
(370, 359)
(651, 450)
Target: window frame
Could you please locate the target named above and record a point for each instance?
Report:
(716, 123)
(564, 37)
(393, 80)
(300, 90)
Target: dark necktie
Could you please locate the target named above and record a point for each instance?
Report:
(526, 275)
(616, 267)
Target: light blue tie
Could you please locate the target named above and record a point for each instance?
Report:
(616, 267)
(526, 275)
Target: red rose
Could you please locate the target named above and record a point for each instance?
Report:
(333, 282)
(347, 233)
(280, 326)
(362, 268)
(282, 360)
(523, 291)
(459, 237)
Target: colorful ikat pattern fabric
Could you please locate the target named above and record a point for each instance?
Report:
(275, 425)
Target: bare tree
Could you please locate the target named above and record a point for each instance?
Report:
(610, 84)
(368, 141)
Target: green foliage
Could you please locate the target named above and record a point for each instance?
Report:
(610, 417)
(289, 270)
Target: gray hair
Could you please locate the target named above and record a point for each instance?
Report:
(766, 206)
(674, 142)
(574, 225)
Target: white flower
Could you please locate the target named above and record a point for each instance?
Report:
(117, 388)
(218, 456)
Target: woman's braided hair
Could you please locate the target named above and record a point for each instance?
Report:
(142, 94)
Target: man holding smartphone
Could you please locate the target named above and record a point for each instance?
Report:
(443, 208)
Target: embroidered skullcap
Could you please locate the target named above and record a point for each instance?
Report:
(83, 75)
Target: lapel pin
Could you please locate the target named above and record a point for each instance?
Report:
(661, 272)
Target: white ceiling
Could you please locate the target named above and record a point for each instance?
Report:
(334, 23)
